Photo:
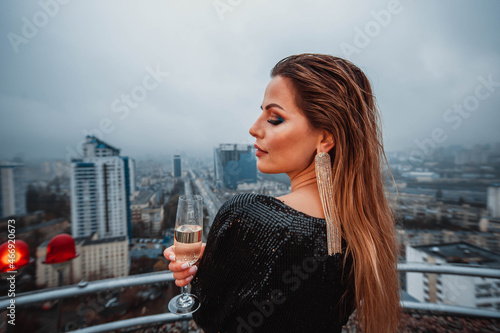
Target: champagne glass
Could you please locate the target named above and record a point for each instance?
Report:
(187, 247)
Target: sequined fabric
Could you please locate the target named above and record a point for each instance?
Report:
(266, 269)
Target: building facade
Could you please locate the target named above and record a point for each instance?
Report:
(152, 217)
(177, 166)
(148, 210)
(415, 237)
(234, 164)
(450, 289)
(101, 185)
(98, 259)
(12, 189)
(493, 201)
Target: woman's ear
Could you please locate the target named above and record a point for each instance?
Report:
(327, 142)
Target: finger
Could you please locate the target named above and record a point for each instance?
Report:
(185, 273)
(183, 282)
(169, 253)
(175, 266)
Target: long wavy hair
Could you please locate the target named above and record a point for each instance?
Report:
(336, 96)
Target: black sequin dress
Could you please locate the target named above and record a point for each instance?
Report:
(266, 269)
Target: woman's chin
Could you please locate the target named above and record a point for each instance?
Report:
(262, 167)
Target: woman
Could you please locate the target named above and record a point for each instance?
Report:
(304, 261)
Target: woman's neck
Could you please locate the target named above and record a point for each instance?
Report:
(305, 179)
(305, 195)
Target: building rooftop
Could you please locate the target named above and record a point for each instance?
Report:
(90, 240)
(102, 144)
(142, 198)
(7, 164)
(462, 253)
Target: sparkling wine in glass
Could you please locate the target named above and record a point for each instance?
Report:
(187, 247)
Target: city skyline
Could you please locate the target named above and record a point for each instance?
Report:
(160, 78)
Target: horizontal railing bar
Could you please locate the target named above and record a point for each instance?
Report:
(449, 269)
(87, 288)
(161, 277)
(451, 309)
(444, 309)
(162, 318)
(169, 317)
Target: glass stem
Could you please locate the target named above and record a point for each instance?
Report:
(185, 300)
(184, 291)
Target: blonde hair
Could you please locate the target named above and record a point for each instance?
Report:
(336, 96)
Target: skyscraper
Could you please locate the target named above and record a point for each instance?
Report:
(101, 184)
(12, 189)
(177, 166)
(234, 164)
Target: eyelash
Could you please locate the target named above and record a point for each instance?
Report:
(277, 121)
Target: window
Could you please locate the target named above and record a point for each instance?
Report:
(485, 305)
(483, 295)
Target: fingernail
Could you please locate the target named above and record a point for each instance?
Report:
(185, 265)
(193, 269)
(189, 278)
(172, 258)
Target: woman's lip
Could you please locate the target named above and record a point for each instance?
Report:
(259, 151)
(258, 148)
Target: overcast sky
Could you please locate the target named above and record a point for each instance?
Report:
(162, 77)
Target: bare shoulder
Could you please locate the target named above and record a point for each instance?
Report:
(308, 203)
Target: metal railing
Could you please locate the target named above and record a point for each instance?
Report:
(138, 321)
(450, 269)
(164, 277)
(84, 288)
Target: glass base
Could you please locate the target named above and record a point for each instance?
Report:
(183, 304)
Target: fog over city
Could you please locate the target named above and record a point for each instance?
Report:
(168, 77)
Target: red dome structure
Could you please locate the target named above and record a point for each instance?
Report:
(61, 248)
(21, 258)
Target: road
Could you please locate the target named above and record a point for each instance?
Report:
(211, 201)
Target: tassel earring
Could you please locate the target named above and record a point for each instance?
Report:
(324, 178)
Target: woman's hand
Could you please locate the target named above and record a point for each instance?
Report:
(183, 273)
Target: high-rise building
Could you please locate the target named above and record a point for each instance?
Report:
(101, 185)
(234, 164)
(494, 200)
(177, 166)
(12, 189)
(449, 289)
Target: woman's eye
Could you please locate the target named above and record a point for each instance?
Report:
(275, 121)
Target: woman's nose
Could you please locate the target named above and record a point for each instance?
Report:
(254, 129)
